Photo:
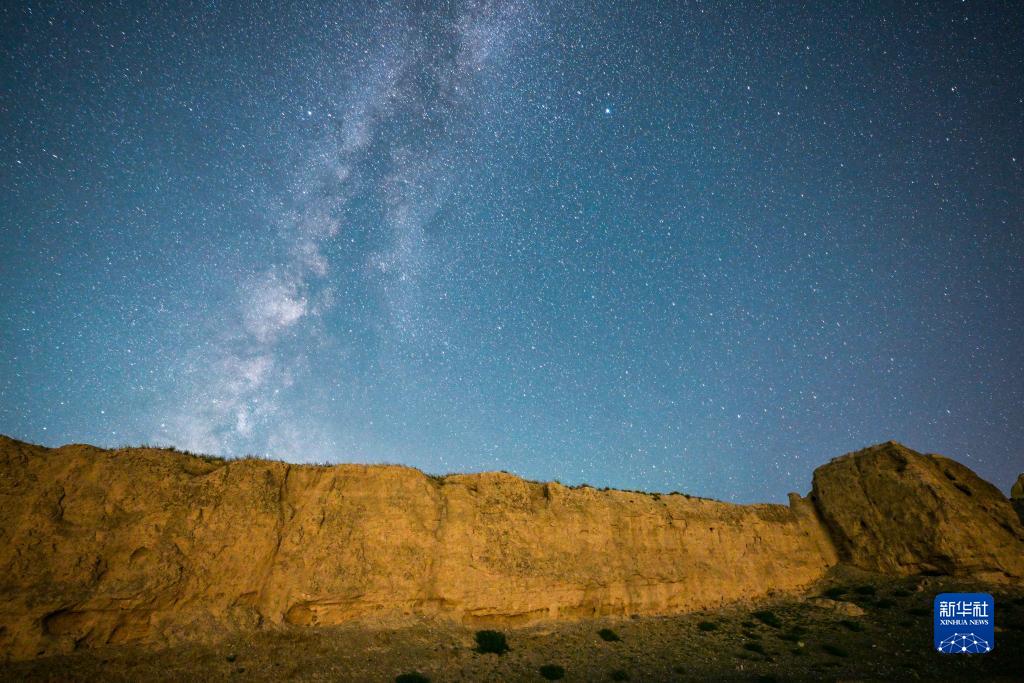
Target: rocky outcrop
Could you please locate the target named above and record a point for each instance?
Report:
(1017, 496)
(892, 510)
(154, 546)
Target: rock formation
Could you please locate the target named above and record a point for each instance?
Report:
(892, 510)
(154, 546)
(1017, 496)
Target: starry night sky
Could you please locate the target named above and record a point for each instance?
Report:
(700, 247)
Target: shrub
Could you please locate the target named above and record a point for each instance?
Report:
(885, 603)
(619, 675)
(552, 672)
(769, 618)
(851, 625)
(411, 677)
(918, 611)
(794, 634)
(865, 590)
(608, 635)
(835, 592)
(707, 626)
(754, 647)
(491, 642)
(834, 650)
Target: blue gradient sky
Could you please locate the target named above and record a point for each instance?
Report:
(704, 247)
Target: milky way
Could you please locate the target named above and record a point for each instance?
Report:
(702, 247)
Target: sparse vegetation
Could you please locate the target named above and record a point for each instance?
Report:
(919, 611)
(851, 625)
(885, 603)
(609, 635)
(491, 642)
(707, 626)
(768, 617)
(754, 647)
(552, 672)
(619, 675)
(866, 589)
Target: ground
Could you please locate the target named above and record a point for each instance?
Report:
(785, 638)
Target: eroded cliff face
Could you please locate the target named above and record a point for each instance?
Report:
(153, 546)
(892, 510)
(1017, 496)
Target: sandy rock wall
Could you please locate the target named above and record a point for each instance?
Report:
(1017, 496)
(153, 546)
(893, 510)
(148, 545)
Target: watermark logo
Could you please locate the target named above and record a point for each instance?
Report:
(964, 623)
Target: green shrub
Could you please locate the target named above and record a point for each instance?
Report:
(552, 672)
(919, 611)
(768, 617)
(885, 603)
(411, 677)
(834, 650)
(707, 626)
(619, 675)
(835, 592)
(866, 589)
(609, 635)
(754, 647)
(851, 625)
(491, 642)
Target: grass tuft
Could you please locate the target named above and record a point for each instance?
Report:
(491, 642)
(768, 617)
(552, 672)
(411, 677)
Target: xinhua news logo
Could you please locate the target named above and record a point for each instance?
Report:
(964, 623)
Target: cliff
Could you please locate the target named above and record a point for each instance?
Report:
(154, 546)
